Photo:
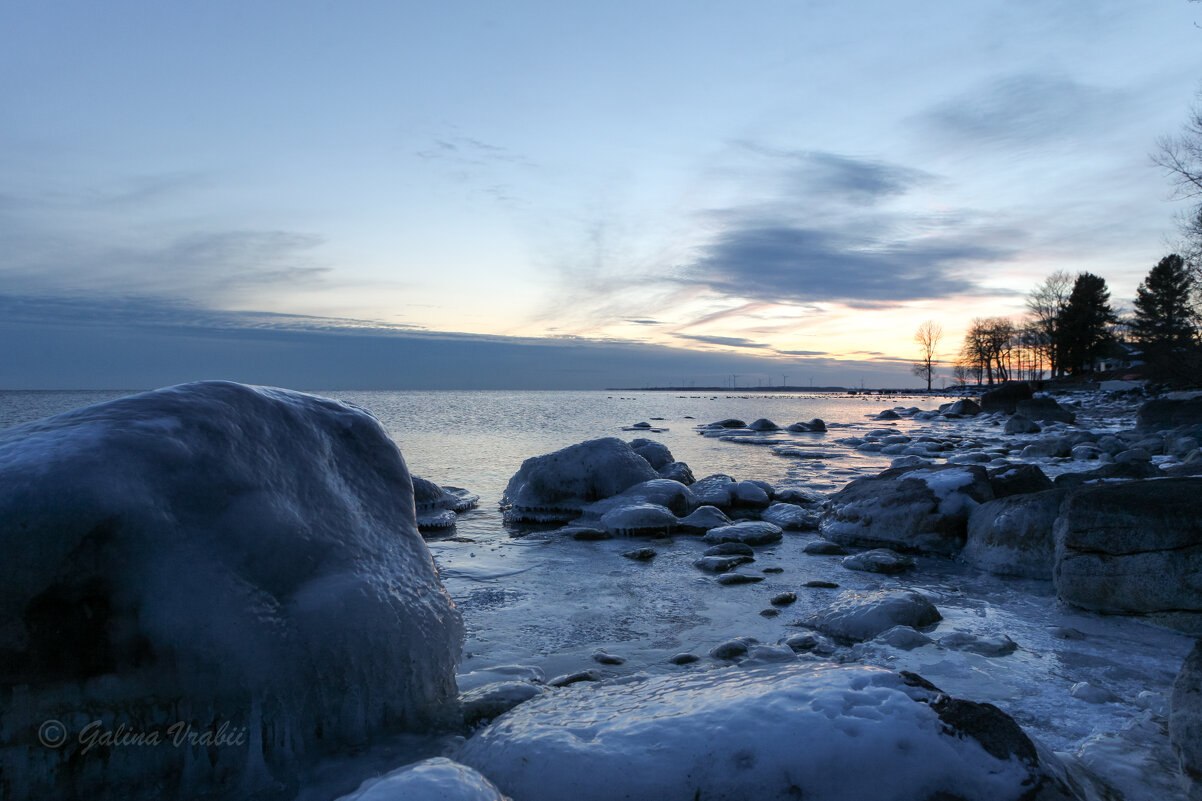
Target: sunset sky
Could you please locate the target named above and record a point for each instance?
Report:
(564, 195)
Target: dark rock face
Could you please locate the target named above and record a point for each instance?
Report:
(917, 509)
(1127, 470)
(1012, 536)
(1006, 396)
(1043, 410)
(1164, 413)
(964, 407)
(1185, 721)
(1133, 548)
(1021, 425)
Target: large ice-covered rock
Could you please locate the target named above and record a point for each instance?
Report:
(211, 554)
(555, 487)
(821, 732)
(1133, 547)
(1012, 536)
(859, 616)
(921, 509)
(437, 779)
(1185, 721)
(1006, 396)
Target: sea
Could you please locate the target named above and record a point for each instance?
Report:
(547, 604)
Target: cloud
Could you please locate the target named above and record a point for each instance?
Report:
(765, 259)
(804, 352)
(1021, 110)
(730, 342)
(834, 176)
(645, 322)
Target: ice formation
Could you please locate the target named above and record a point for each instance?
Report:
(438, 507)
(212, 553)
(820, 732)
(437, 779)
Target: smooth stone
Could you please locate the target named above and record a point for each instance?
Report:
(878, 560)
(783, 599)
(730, 579)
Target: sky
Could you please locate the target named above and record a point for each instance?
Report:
(560, 195)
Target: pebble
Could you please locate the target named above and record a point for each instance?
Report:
(769, 612)
(783, 599)
(728, 579)
(641, 554)
(684, 659)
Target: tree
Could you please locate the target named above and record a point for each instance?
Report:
(927, 336)
(1166, 325)
(1083, 327)
(1046, 303)
(1180, 157)
(987, 348)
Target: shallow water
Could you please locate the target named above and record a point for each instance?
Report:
(550, 604)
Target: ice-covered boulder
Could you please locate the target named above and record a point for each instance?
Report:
(1133, 547)
(1018, 479)
(750, 532)
(555, 487)
(821, 732)
(1044, 410)
(1160, 414)
(922, 509)
(702, 519)
(790, 516)
(964, 407)
(859, 616)
(639, 520)
(1185, 721)
(437, 779)
(438, 508)
(1012, 536)
(211, 554)
(1018, 424)
(763, 424)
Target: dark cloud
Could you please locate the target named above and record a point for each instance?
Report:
(732, 342)
(1021, 110)
(833, 176)
(645, 322)
(804, 352)
(794, 263)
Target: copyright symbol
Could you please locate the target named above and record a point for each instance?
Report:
(52, 734)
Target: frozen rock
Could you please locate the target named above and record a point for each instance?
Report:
(1013, 536)
(656, 453)
(810, 643)
(729, 422)
(921, 509)
(732, 648)
(641, 554)
(791, 517)
(817, 731)
(856, 616)
(1185, 721)
(603, 657)
(751, 532)
(729, 549)
(1132, 455)
(798, 496)
(992, 645)
(904, 638)
(557, 486)
(963, 408)
(1046, 448)
(1043, 410)
(1091, 693)
(814, 426)
(672, 495)
(639, 520)
(768, 654)
(752, 494)
(731, 579)
(879, 560)
(437, 779)
(1126, 470)
(1019, 424)
(888, 414)
(784, 599)
(213, 551)
(684, 659)
(438, 507)
(493, 700)
(716, 490)
(1133, 548)
(579, 676)
(702, 519)
(677, 471)
(721, 564)
(764, 424)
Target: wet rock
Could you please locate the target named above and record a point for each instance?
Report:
(729, 549)
(715, 490)
(904, 638)
(1127, 470)
(764, 424)
(769, 612)
(1092, 693)
(774, 570)
(641, 554)
(575, 678)
(824, 548)
(784, 599)
(922, 509)
(656, 453)
(994, 645)
(1133, 548)
(677, 471)
(639, 520)
(731, 579)
(857, 616)
(879, 560)
(815, 425)
(438, 508)
(721, 564)
(963, 408)
(750, 532)
(732, 648)
(1013, 536)
(888, 414)
(1047, 447)
(798, 496)
(585, 533)
(684, 659)
(820, 584)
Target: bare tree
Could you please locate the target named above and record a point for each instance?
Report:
(1047, 303)
(988, 346)
(927, 336)
(1180, 157)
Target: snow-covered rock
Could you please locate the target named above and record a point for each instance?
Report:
(557, 486)
(437, 779)
(1133, 547)
(821, 732)
(1012, 536)
(921, 509)
(212, 552)
(859, 616)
